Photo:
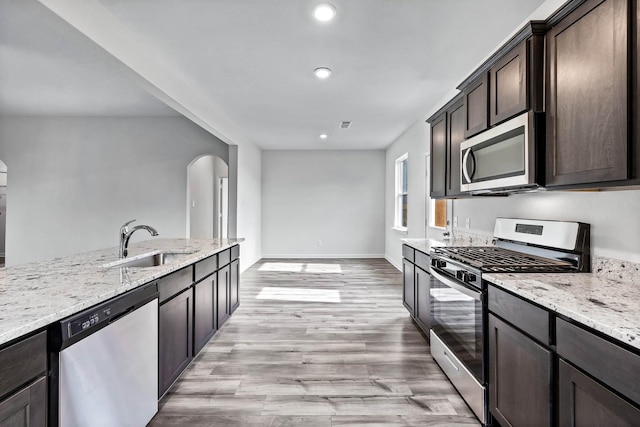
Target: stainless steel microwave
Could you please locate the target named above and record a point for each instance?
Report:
(505, 158)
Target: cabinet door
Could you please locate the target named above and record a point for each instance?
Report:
(222, 291)
(520, 372)
(582, 401)
(175, 340)
(26, 408)
(587, 140)
(204, 314)
(476, 106)
(408, 288)
(234, 286)
(438, 156)
(508, 85)
(423, 313)
(455, 130)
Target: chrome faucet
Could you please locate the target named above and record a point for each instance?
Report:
(125, 235)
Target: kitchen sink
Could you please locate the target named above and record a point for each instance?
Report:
(148, 260)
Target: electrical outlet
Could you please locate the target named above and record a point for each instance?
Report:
(467, 223)
(193, 203)
(455, 221)
(319, 243)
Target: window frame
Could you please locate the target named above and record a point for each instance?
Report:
(401, 191)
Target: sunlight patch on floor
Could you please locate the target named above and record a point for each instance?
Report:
(323, 268)
(293, 267)
(300, 294)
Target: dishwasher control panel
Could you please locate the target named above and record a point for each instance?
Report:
(96, 317)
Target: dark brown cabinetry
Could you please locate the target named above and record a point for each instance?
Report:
(476, 105)
(587, 95)
(520, 361)
(447, 133)
(422, 311)
(234, 286)
(175, 323)
(222, 309)
(438, 155)
(416, 286)
(23, 383)
(582, 401)
(408, 288)
(520, 377)
(204, 311)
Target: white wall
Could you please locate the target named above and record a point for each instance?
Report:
(414, 141)
(336, 197)
(73, 181)
(200, 202)
(248, 192)
(613, 215)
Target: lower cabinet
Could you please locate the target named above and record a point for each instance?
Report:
(422, 309)
(520, 377)
(583, 401)
(408, 292)
(222, 291)
(24, 362)
(234, 286)
(204, 311)
(175, 338)
(27, 407)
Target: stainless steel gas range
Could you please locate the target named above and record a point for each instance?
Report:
(458, 295)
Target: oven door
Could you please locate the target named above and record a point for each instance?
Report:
(498, 158)
(456, 318)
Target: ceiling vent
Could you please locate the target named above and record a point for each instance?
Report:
(345, 125)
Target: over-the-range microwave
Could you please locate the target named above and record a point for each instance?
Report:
(506, 158)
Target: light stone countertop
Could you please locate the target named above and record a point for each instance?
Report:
(37, 294)
(604, 304)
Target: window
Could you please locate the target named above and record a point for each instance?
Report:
(401, 192)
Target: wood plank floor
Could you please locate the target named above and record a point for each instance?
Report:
(316, 343)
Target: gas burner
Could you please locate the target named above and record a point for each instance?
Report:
(500, 260)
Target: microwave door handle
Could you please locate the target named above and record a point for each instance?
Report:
(465, 169)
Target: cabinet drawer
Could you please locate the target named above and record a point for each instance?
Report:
(224, 258)
(608, 362)
(174, 283)
(235, 252)
(521, 314)
(422, 260)
(205, 267)
(22, 362)
(408, 253)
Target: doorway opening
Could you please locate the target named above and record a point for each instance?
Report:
(3, 211)
(207, 198)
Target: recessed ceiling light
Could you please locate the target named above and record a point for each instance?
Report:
(322, 72)
(323, 136)
(324, 12)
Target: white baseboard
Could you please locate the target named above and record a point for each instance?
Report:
(399, 267)
(323, 256)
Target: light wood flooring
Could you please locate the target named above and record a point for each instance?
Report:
(316, 343)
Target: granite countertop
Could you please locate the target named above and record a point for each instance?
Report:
(604, 304)
(35, 295)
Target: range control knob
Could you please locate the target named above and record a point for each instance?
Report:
(461, 275)
(470, 277)
(439, 263)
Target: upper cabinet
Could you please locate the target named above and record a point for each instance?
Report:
(447, 133)
(588, 96)
(476, 106)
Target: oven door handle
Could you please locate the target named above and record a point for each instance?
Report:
(476, 295)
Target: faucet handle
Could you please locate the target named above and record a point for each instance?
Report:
(123, 228)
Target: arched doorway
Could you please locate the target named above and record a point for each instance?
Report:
(207, 198)
(3, 211)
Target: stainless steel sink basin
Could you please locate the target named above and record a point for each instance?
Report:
(148, 260)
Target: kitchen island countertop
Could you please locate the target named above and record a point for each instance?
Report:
(35, 295)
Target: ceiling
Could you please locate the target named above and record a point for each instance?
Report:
(245, 67)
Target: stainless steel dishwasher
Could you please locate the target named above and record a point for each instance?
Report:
(106, 370)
